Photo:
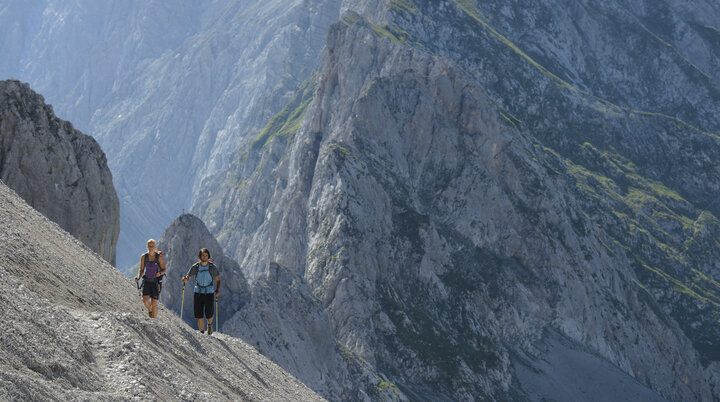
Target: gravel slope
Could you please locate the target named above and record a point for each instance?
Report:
(74, 329)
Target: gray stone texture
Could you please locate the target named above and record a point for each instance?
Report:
(448, 199)
(75, 329)
(58, 170)
(180, 244)
(456, 181)
(168, 88)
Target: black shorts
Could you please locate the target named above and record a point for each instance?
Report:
(151, 289)
(204, 303)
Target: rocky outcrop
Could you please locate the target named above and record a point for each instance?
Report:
(287, 324)
(180, 244)
(637, 134)
(58, 170)
(75, 329)
(454, 244)
(280, 317)
(208, 72)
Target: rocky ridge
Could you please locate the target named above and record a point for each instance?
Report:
(262, 317)
(453, 204)
(209, 72)
(638, 135)
(75, 328)
(58, 170)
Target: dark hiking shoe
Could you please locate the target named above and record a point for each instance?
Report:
(209, 329)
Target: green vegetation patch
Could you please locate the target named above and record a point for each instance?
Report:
(387, 386)
(690, 289)
(639, 194)
(470, 7)
(403, 5)
(339, 148)
(340, 153)
(651, 222)
(288, 120)
(395, 34)
(699, 277)
(350, 18)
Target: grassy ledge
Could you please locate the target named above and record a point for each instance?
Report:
(288, 120)
(469, 8)
(403, 5)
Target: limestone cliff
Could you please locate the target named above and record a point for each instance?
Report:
(465, 200)
(168, 89)
(464, 212)
(58, 170)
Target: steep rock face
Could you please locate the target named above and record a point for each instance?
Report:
(448, 239)
(637, 134)
(180, 244)
(84, 334)
(209, 73)
(287, 324)
(58, 170)
(281, 318)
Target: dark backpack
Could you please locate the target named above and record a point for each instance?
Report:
(152, 267)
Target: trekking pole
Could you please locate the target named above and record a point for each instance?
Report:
(139, 291)
(217, 315)
(182, 301)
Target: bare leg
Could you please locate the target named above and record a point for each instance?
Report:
(154, 308)
(146, 302)
(201, 324)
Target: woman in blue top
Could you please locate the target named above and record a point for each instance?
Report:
(204, 271)
(152, 268)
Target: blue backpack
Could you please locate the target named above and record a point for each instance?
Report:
(204, 280)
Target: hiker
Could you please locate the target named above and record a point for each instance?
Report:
(152, 269)
(204, 272)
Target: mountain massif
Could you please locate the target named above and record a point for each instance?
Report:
(165, 87)
(422, 200)
(467, 197)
